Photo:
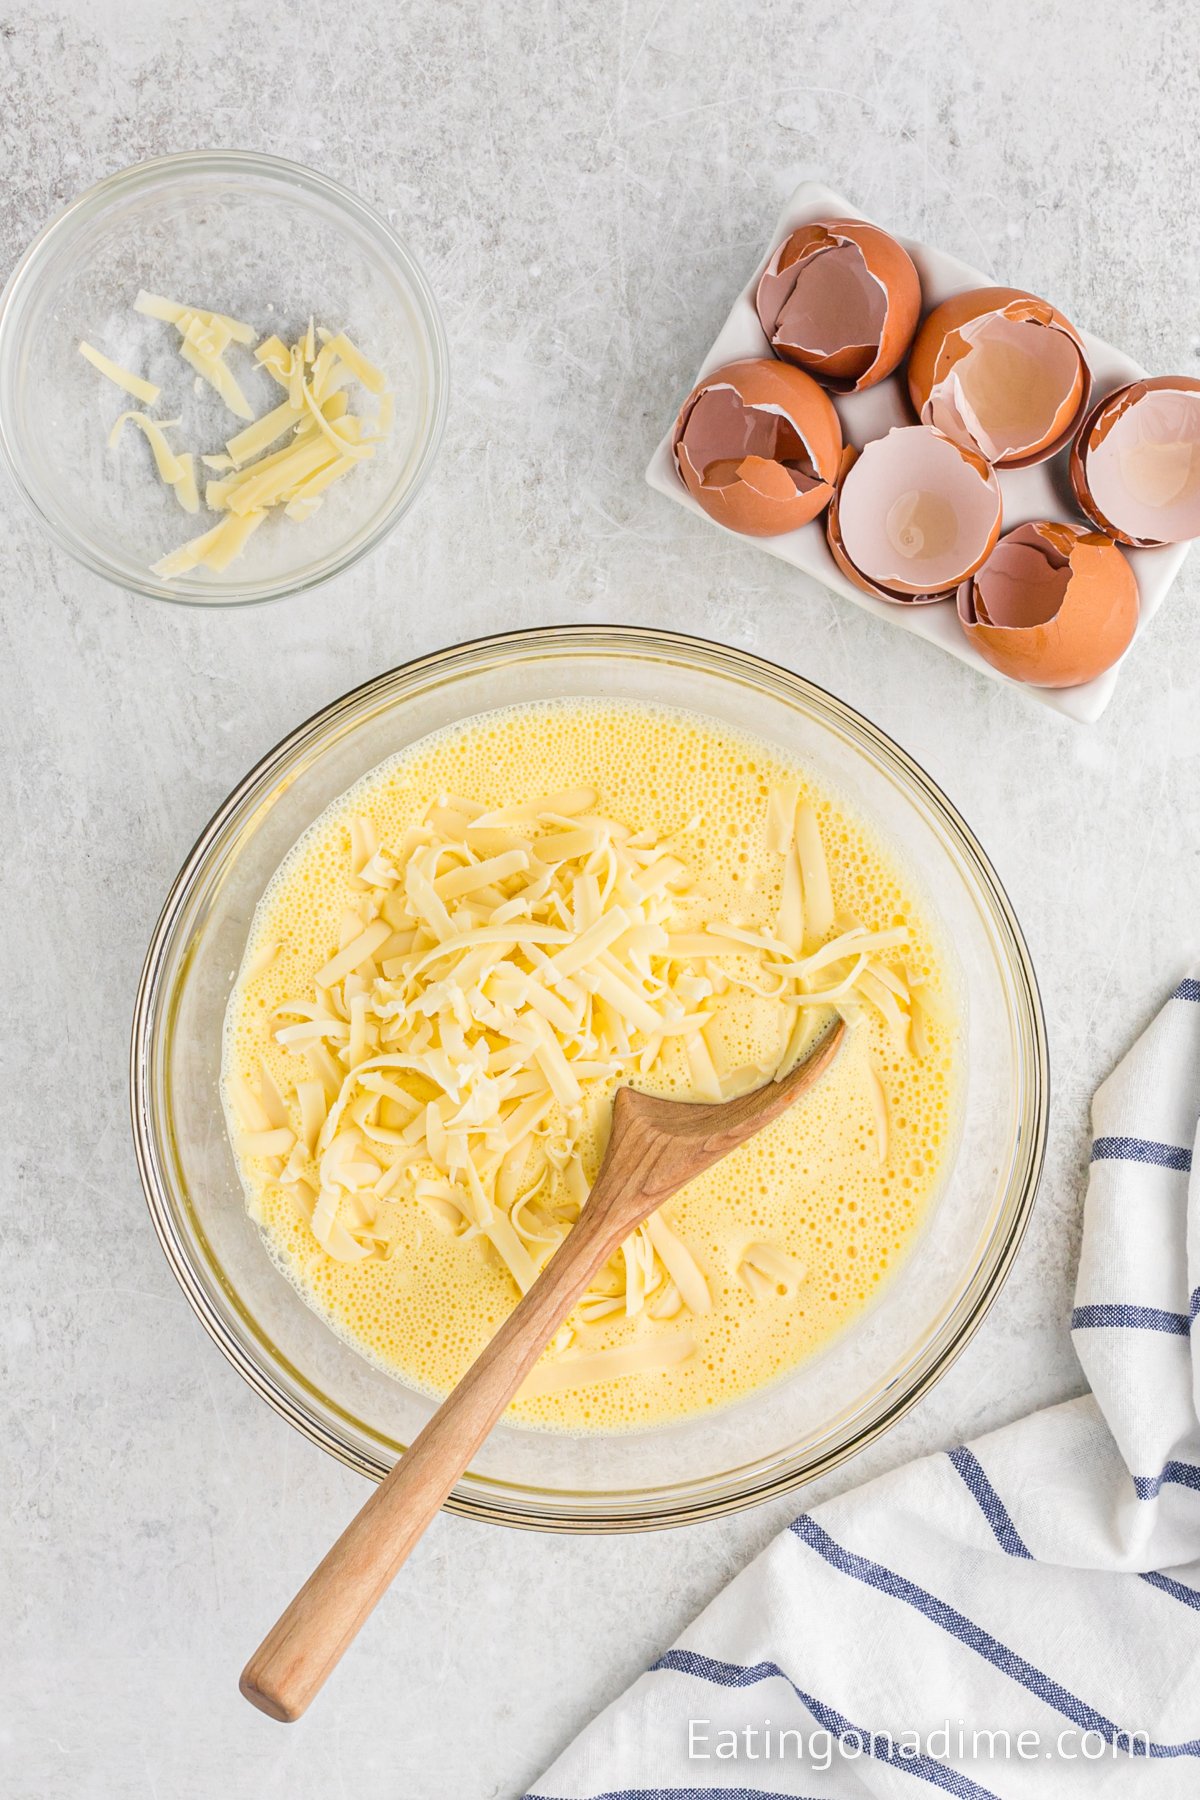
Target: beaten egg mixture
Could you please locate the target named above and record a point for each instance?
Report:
(641, 894)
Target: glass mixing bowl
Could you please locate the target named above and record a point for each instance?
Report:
(828, 1408)
(255, 237)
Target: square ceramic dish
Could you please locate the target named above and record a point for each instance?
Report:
(1042, 492)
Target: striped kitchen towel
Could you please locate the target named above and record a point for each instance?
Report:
(1020, 1617)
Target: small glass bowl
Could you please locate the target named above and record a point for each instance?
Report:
(230, 231)
(829, 1407)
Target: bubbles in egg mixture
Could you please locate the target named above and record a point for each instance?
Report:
(811, 1185)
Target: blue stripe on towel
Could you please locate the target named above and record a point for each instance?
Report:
(1178, 1590)
(990, 1504)
(733, 1675)
(1116, 1315)
(1188, 989)
(1143, 1150)
(1007, 1536)
(949, 1619)
(1180, 1473)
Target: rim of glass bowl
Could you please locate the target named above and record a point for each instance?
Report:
(488, 1498)
(20, 298)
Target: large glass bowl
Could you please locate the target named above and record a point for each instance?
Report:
(267, 241)
(828, 1408)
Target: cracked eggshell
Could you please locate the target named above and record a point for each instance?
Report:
(914, 515)
(840, 299)
(1001, 372)
(1135, 462)
(758, 443)
(1054, 605)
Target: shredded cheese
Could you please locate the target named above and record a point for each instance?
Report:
(198, 349)
(216, 549)
(768, 1272)
(165, 459)
(818, 895)
(186, 491)
(355, 361)
(555, 1377)
(261, 435)
(155, 307)
(680, 1264)
(324, 440)
(177, 470)
(133, 384)
(494, 978)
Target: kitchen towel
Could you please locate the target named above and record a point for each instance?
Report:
(1017, 1617)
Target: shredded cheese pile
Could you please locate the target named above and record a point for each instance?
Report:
(497, 975)
(204, 338)
(176, 469)
(324, 440)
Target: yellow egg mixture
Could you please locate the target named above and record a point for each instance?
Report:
(759, 1262)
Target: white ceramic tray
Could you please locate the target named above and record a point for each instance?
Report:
(1042, 492)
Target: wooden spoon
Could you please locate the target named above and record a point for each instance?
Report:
(655, 1147)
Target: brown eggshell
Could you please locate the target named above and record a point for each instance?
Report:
(864, 302)
(900, 446)
(732, 453)
(1055, 605)
(1127, 518)
(940, 344)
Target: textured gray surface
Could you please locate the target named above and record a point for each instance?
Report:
(586, 186)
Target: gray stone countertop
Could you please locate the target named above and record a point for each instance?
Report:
(587, 186)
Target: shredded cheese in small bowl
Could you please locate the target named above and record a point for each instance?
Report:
(231, 338)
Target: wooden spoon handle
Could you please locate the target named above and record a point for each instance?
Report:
(304, 1646)
(654, 1148)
